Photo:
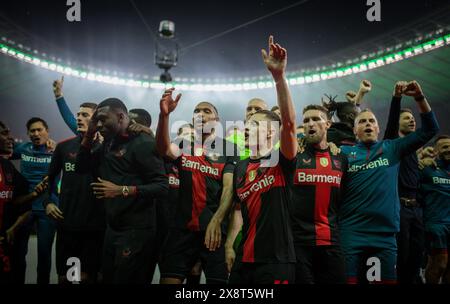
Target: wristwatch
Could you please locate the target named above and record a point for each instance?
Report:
(125, 191)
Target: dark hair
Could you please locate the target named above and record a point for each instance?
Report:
(34, 120)
(440, 137)
(274, 108)
(207, 102)
(316, 107)
(143, 117)
(342, 109)
(89, 105)
(188, 125)
(406, 110)
(114, 104)
(269, 114)
(2, 125)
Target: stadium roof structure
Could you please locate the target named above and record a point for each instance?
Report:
(419, 48)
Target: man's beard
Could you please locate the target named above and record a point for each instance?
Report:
(313, 140)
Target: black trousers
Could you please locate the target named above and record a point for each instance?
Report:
(410, 243)
(127, 256)
(319, 265)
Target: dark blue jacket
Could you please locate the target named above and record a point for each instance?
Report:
(370, 198)
(435, 194)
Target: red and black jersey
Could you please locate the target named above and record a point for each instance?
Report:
(315, 196)
(12, 184)
(201, 182)
(264, 198)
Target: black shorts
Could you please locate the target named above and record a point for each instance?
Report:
(184, 248)
(262, 273)
(437, 238)
(85, 245)
(319, 265)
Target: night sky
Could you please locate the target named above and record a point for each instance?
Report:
(111, 34)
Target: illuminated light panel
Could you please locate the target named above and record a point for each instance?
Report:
(248, 83)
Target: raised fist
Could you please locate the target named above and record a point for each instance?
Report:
(57, 87)
(351, 97)
(413, 89)
(365, 86)
(399, 88)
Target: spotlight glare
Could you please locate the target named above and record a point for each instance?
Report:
(337, 69)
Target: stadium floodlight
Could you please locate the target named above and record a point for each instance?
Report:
(300, 77)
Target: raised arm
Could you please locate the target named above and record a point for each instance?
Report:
(394, 111)
(429, 125)
(66, 114)
(414, 90)
(356, 98)
(167, 105)
(276, 62)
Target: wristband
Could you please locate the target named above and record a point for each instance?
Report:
(419, 98)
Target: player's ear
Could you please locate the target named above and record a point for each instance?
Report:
(123, 117)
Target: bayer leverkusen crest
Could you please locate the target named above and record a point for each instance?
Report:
(251, 175)
(324, 162)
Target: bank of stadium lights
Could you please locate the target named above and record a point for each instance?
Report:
(185, 84)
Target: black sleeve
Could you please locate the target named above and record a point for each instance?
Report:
(344, 164)
(230, 164)
(236, 173)
(344, 167)
(394, 116)
(88, 159)
(152, 170)
(20, 183)
(288, 166)
(53, 172)
(20, 189)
